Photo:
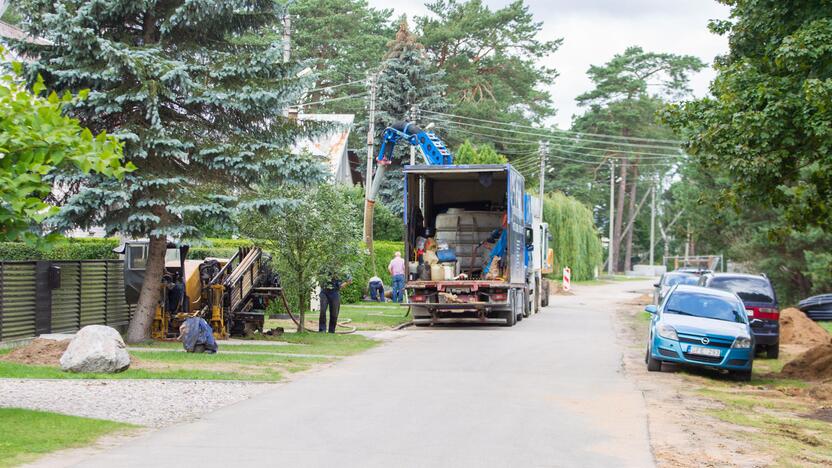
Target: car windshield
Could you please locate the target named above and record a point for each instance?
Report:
(704, 305)
(671, 279)
(748, 289)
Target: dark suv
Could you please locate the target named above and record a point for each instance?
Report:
(760, 303)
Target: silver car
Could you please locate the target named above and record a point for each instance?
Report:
(668, 280)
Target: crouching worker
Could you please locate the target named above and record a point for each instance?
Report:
(330, 299)
(197, 336)
(376, 288)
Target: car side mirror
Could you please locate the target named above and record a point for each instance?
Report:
(655, 285)
(651, 309)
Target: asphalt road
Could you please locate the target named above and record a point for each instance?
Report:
(547, 392)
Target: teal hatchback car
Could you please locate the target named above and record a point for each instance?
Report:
(701, 327)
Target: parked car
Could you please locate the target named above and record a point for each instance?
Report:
(670, 279)
(701, 327)
(760, 303)
(693, 270)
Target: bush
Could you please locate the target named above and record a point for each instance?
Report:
(574, 238)
(384, 251)
(63, 249)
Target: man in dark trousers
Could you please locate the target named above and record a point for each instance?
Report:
(330, 298)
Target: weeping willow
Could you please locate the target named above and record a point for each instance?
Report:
(574, 238)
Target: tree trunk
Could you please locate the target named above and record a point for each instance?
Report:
(303, 300)
(619, 215)
(139, 329)
(628, 256)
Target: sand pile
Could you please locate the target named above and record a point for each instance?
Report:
(39, 352)
(814, 364)
(797, 328)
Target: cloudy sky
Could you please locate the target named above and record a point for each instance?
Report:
(595, 30)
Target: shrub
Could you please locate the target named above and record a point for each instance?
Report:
(62, 249)
(384, 251)
(574, 237)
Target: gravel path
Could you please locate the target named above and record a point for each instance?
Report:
(154, 403)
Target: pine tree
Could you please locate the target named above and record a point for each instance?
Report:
(407, 79)
(197, 101)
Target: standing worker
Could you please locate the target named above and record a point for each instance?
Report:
(396, 269)
(330, 297)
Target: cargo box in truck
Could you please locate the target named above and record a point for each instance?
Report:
(457, 208)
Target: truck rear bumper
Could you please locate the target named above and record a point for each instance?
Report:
(474, 320)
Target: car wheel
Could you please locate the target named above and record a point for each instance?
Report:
(743, 376)
(773, 351)
(653, 364)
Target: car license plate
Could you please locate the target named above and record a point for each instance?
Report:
(704, 351)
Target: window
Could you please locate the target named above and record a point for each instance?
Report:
(748, 289)
(137, 256)
(706, 306)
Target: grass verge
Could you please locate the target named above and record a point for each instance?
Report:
(291, 343)
(23, 371)
(29, 434)
(364, 316)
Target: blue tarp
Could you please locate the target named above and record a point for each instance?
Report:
(198, 332)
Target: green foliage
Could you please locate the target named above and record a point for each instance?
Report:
(369, 267)
(574, 238)
(491, 63)
(387, 226)
(313, 237)
(37, 142)
(343, 40)
(407, 79)
(61, 249)
(467, 153)
(769, 123)
(194, 93)
(29, 434)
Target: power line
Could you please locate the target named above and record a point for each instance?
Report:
(550, 136)
(506, 140)
(324, 101)
(337, 85)
(578, 134)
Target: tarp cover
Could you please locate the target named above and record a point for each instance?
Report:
(198, 332)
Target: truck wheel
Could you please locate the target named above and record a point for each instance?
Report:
(544, 300)
(773, 351)
(511, 318)
(527, 305)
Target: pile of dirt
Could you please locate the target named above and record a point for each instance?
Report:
(797, 328)
(39, 352)
(814, 364)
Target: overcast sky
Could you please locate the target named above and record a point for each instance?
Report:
(595, 30)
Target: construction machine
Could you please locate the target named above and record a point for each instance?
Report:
(230, 294)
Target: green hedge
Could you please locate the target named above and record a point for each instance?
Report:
(575, 240)
(384, 251)
(65, 249)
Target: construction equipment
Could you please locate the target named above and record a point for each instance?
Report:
(230, 294)
(432, 147)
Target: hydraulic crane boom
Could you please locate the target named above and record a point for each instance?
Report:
(431, 146)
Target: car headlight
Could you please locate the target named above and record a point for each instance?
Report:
(742, 342)
(668, 332)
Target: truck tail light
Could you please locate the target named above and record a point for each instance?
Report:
(500, 297)
(418, 298)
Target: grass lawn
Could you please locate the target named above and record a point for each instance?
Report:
(27, 434)
(364, 316)
(826, 325)
(270, 363)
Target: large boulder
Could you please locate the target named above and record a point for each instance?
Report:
(96, 348)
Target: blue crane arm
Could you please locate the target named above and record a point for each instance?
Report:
(432, 147)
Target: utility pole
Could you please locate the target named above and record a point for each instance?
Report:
(612, 216)
(369, 198)
(544, 152)
(414, 116)
(652, 222)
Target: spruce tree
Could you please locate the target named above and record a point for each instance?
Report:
(407, 79)
(197, 101)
